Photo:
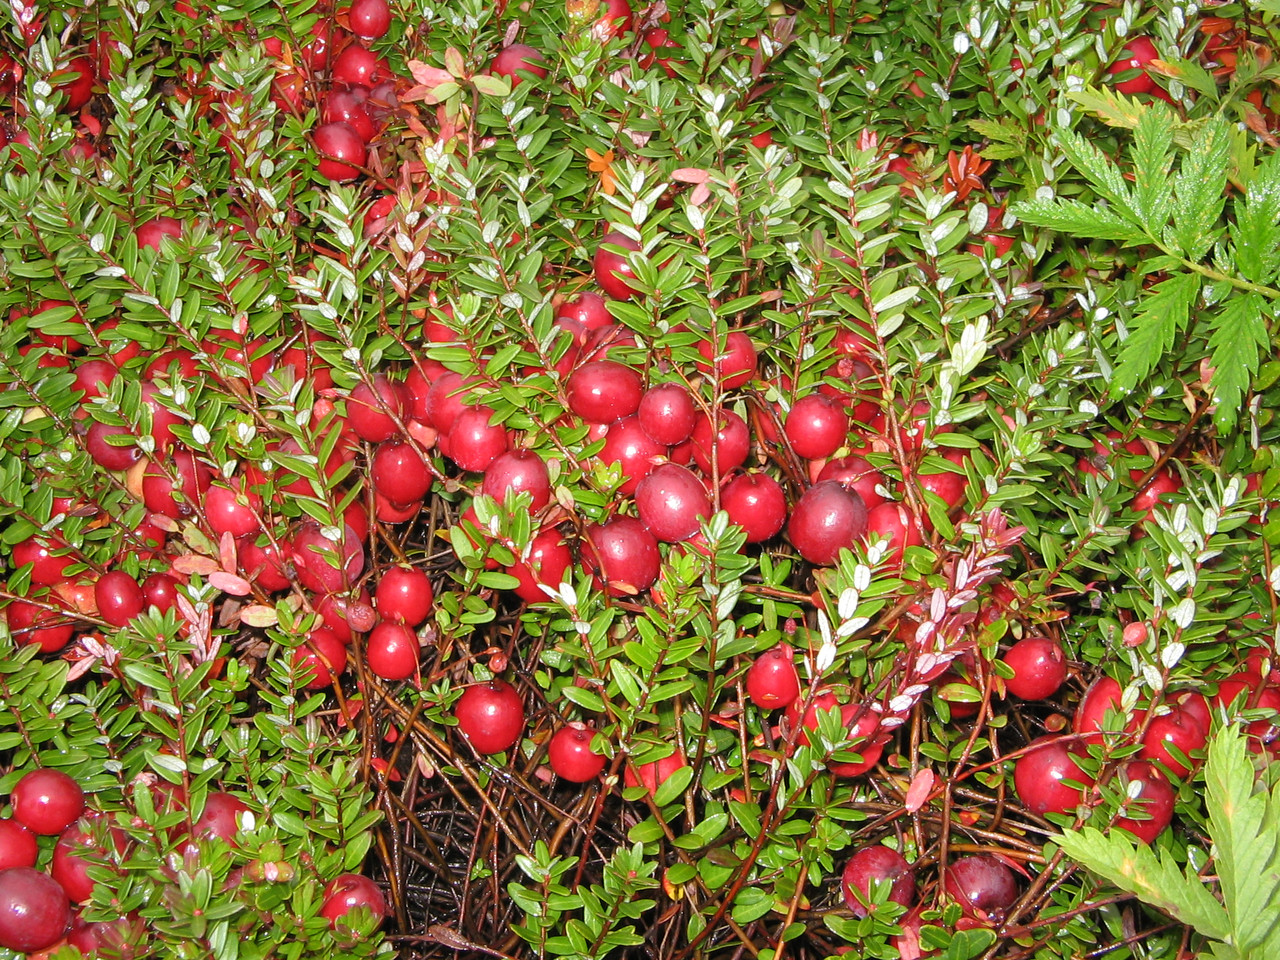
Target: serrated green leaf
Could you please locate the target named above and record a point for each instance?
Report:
(1239, 336)
(1245, 833)
(1078, 219)
(1136, 869)
(1002, 131)
(1098, 168)
(1152, 160)
(1199, 190)
(1256, 230)
(1113, 109)
(1163, 314)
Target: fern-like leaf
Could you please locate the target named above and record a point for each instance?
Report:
(1162, 315)
(1097, 167)
(1157, 880)
(1240, 334)
(1256, 230)
(1244, 830)
(1199, 190)
(1078, 219)
(1152, 161)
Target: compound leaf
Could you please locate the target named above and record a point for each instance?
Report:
(1162, 315)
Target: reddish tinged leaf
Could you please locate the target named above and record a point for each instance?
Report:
(230, 583)
(918, 792)
(690, 175)
(227, 550)
(428, 76)
(258, 615)
(193, 563)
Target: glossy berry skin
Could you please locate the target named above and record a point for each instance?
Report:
(324, 565)
(1153, 804)
(877, 863)
(350, 891)
(119, 597)
(858, 732)
(667, 413)
(17, 845)
(1039, 668)
(613, 271)
(1038, 776)
(1179, 730)
(348, 106)
(47, 801)
(358, 66)
(729, 445)
(825, 520)
(341, 150)
(491, 716)
(1103, 696)
(892, 523)
(858, 475)
(321, 658)
(227, 510)
(602, 391)
(372, 410)
(733, 360)
(49, 565)
(1135, 55)
(399, 473)
(654, 774)
(521, 471)
(570, 755)
(625, 554)
(391, 651)
(983, 886)
(816, 426)
(672, 502)
(473, 443)
(629, 447)
(773, 683)
(404, 594)
(151, 232)
(516, 58)
(757, 503)
(34, 910)
(106, 454)
(548, 563)
(33, 624)
(369, 19)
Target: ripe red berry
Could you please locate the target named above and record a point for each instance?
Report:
(47, 801)
(548, 563)
(732, 359)
(624, 554)
(1039, 668)
(877, 864)
(570, 755)
(321, 658)
(34, 910)
(342, 151)
(603, 391)
(399, 473)
(369, 19)
(491, 716)
(119, 597)
(391, 651)
(756, 502)
(667, 413)
(349, 892)
(860, 731)
(773, 683)
(826, 519)
(372, 410)
(672, 502)
(404, 594)
(472, 442)
(1149, 800)
(613, 271)
(18, 846)
(728, 447)
(629, 447)
(516, 58)
(519, 471)
(983, 887)
(816, 426)
(1038, 776)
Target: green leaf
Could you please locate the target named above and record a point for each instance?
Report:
(1256, 230)
(1199, 190)
(1239, 336)
(1102, 173)
(1163, 314)
(1152, 159)
(1078, 219)
(1245, 831)
(1136, 869)
(1113, 109)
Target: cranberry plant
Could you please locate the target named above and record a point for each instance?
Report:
(615, 480)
